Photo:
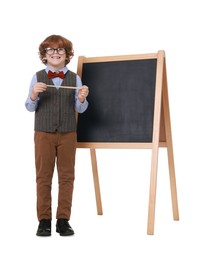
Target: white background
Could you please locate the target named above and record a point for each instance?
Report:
(103, 28)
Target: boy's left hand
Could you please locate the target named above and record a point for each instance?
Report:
(83, 93)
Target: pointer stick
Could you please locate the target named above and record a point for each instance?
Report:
(69, 87)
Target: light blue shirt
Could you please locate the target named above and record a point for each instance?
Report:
(32, 105)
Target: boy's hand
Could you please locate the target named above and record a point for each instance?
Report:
(83, 93)
(38, 88)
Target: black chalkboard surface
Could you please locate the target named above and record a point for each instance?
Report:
(121, 101)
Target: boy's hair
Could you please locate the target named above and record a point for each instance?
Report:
(60, 42)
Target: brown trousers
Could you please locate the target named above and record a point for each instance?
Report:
(50, 149)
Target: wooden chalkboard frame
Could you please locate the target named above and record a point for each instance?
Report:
(162, 136)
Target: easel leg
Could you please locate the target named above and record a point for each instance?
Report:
(173, 184)
(155, 138)
(96, 181)
(152, 193)
(170, 148)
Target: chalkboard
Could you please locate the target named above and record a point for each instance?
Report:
(128, 108)
(121, 101)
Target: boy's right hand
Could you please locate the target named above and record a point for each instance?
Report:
(38, 88)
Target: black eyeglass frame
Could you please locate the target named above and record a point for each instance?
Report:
(59, 50)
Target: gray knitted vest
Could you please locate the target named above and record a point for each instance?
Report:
(56, 108)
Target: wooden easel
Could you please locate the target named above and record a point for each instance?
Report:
(162, 137)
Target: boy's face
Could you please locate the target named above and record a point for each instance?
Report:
(55, 57)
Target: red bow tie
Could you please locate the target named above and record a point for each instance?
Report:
(54, 74)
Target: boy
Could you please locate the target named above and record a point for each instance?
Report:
(55, 130)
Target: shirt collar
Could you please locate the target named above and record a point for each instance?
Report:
(64, 69)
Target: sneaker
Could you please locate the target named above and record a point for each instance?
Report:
(63, 227)
(44, 228)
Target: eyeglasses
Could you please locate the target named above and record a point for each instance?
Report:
(58, 50)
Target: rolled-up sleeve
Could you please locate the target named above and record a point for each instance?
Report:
(31, 105)
(80, 107)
